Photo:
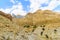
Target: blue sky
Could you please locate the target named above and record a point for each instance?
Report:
(22, 7)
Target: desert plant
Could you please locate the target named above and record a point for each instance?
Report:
(42, 25)
(27, 26)
(34, 26)
(8, 38)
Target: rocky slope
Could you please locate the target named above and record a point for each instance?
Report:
(40, 25)
(39, 17)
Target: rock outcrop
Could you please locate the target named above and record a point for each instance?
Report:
(6, 15)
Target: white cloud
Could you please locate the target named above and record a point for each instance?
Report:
(19, 10)
(16, 9)
(36, 4)
(5, 10)
(53, 4)
(13, 1)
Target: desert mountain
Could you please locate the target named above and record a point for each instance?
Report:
(17, 16)
(45, 17)
(27, 20)
(40, 25)
(40, 17)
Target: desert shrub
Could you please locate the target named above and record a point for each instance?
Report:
(55, 31)
(33, 30)
(8, 38)
(27, 26)
(42, 26)
(34, 26)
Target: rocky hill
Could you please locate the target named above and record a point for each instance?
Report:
(40, 25)
(6, 15)
(8, 29)
(39, 17)
(45, 17)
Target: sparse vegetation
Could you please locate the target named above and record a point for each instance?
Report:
(3, 37)
(43, 29)
(27, 26)
(55, 31)
(46, 36)
(7, 25)
(8, 38)
(32, 26)
(42, 25)
(41, 33)
(33, 30)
